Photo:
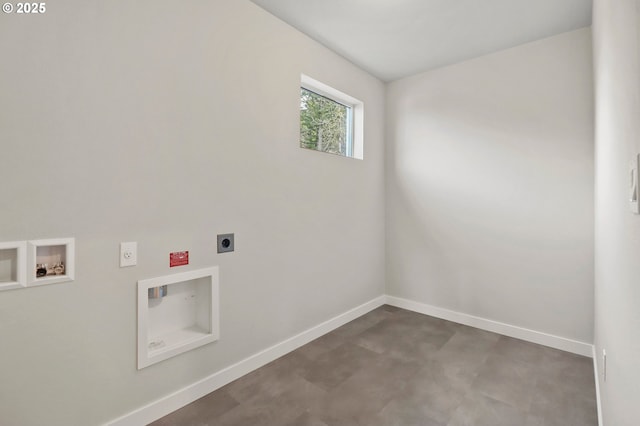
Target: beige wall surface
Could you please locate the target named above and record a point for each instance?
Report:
(490, 187)
(617, 272)
(167, 123)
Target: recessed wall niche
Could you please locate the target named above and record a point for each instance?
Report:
(50, 261)
(12, 265)
(176, 313)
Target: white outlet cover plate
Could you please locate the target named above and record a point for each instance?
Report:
(634, 185)
(128, 254)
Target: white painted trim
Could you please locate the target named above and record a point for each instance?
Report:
(184, 396)
(597, 378)
(562, 343)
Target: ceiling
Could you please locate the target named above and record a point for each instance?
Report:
(396, 38)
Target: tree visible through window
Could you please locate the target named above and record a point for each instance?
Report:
(325, 125)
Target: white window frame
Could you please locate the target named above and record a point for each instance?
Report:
(355, 123)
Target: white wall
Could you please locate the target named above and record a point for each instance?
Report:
(490, 187)
(166, 123)
(617, 260)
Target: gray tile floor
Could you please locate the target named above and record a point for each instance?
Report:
(395, 367)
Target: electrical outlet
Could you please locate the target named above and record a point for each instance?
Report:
(128, 254)
(604, 365)
(634, 185)
(226, 243)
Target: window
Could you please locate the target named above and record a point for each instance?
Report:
(330, 121)
(325, 125)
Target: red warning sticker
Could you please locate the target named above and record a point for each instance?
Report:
(178, 258)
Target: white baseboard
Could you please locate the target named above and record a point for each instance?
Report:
(576, 347)
(165, 405)
(184, 396)
(597, 378)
